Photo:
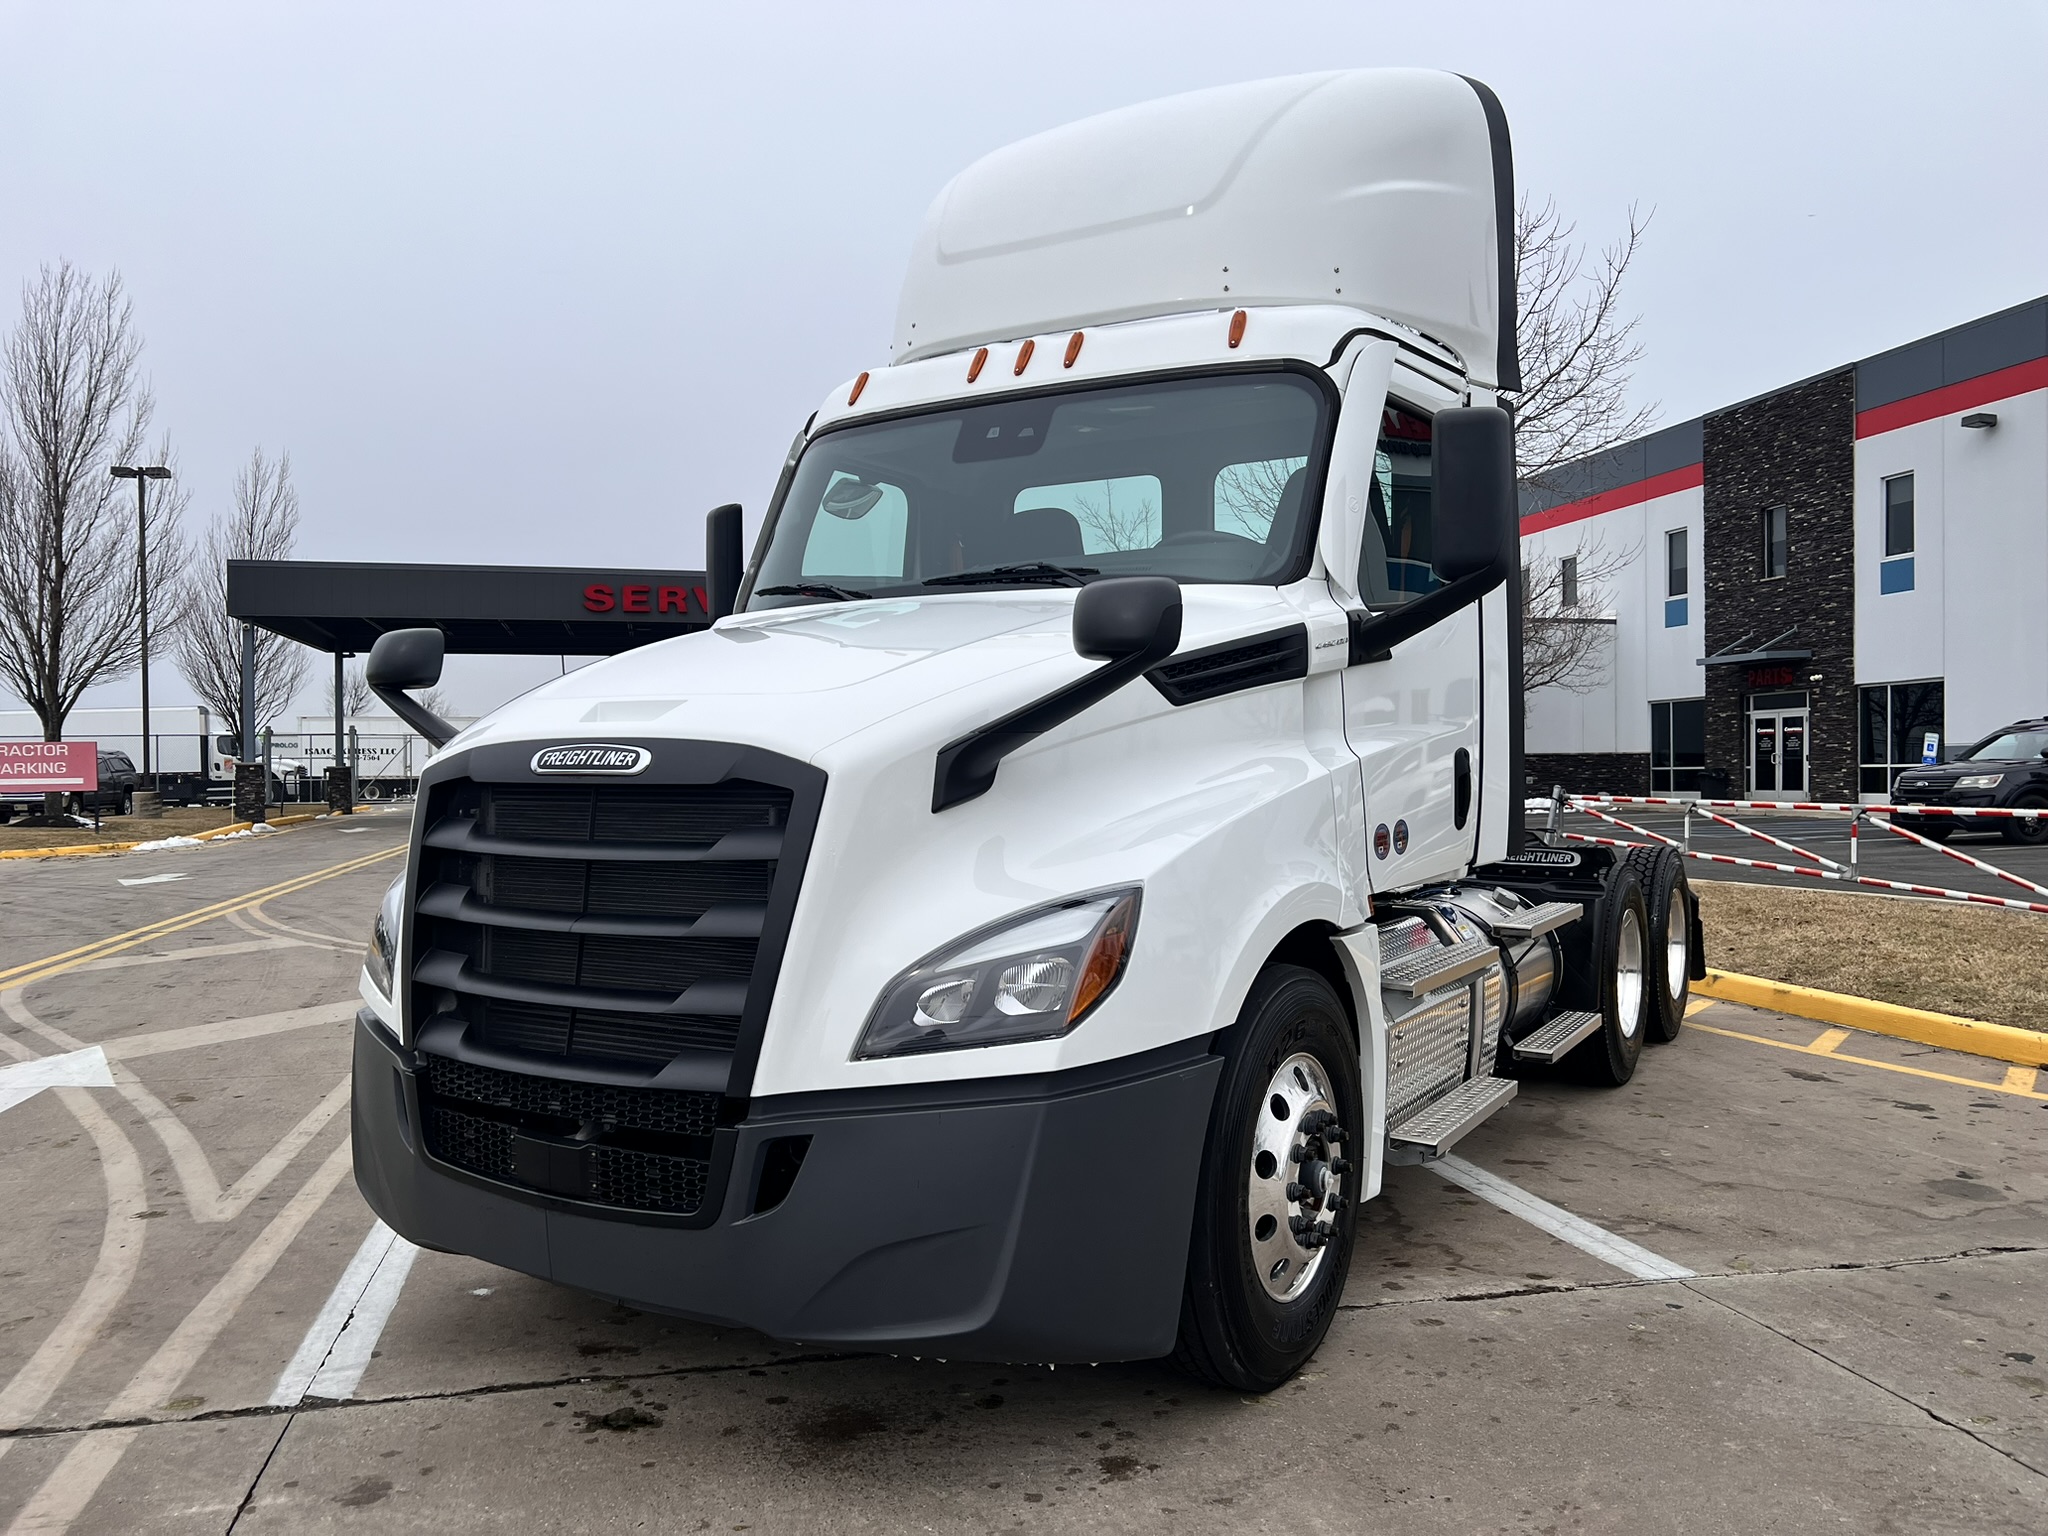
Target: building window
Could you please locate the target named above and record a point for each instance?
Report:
(1894, 721)
(1677, 579)
(1776, 539)
(1568, 581)
(1678, 745)
(1896, 573)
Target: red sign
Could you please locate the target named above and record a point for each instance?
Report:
(642, 597)
(1773, 677)
(37, 767)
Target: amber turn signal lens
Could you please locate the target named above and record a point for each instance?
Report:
(859, 384)
(1106, 957)
(1024, 357)
(974, 368)
(1073, 348)
(1237, 328)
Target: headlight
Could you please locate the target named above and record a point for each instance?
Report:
(1030, 977)
(1980, 781)
(381, 957)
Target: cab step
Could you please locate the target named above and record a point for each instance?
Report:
(1436, 1129)
(1428, 969)
(1553, 1040)
(1535, 922)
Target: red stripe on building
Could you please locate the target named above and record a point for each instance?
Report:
(2019, 379)
(1666, 484)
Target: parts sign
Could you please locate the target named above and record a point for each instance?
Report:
(37, 767)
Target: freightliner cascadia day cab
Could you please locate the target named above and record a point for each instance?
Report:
(1088, 849)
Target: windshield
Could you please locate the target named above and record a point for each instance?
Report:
(2013, 746)
(1204, 480)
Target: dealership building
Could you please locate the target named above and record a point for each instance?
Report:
(1811, 584)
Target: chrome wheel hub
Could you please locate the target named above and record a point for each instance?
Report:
(1676, 939)
(1628, 974)
(1295, 1183)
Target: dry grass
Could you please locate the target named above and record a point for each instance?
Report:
(182, 821)
(1979, 962)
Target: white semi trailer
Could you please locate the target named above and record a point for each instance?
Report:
(1088, 849)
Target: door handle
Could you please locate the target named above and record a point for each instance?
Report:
(1462, 794)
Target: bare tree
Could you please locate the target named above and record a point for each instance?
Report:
(262, 526)
(1578, 348)
(1248, 496)
(1566, 622)
(1133, 525)
(355, 692)
(71, 405)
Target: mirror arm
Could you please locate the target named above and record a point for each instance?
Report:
(1374, 635)
(967, 767)
(416, 715)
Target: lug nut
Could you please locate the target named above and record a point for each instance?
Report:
(1340, 1165)
(1298, 1191)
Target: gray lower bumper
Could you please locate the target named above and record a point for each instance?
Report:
(1038, 1220)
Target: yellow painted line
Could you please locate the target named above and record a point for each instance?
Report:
(1883, 1066)
(70, 850)
(1829, 1039)
(1972, 1037)
(39, 970)
(2021, 1079)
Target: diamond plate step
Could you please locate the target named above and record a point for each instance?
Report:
(1429, 969)
(1432, 1132)
(1550, 1043)
(1548, 918)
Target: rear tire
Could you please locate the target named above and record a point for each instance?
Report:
(1619, 985)
(2029, 833)
(1258, 1300)
(1668, 902)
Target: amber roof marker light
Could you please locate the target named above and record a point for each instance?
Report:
(859, 384)
(1236, 329)
(974, 368)
(1024, 357)
(1073, 349)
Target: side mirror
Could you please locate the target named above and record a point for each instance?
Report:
(724, 563)
(1473, 529)
(1473, 526)
(1127, 615)
(409, 658)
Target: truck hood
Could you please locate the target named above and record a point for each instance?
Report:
(798, 680)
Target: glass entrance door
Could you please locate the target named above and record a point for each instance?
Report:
(1763, 754)
(1792, 754)
(1777, 753)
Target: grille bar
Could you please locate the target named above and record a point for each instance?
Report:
(463, 836)
(718, 998)
(731, 920)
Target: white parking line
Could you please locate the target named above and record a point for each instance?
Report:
(1559, 1223)
(86, 1068)
(336, 1350)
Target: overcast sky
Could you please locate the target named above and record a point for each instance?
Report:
(539, 283)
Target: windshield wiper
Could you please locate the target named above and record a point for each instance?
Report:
(1028, 570)
(816, 589)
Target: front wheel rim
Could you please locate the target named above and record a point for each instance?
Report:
(1628, 973)
(1295, 1177)
(1677, 938)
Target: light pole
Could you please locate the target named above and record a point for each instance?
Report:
(142, 476)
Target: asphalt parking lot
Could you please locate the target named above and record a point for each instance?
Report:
(1827, 1308)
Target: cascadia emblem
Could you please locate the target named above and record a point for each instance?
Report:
(591, 757)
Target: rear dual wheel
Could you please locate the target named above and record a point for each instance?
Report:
(1276, 1205)
(1670, 908)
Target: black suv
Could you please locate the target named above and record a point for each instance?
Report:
(116, 794)
(2008, 768)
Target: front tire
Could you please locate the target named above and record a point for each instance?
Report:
(1276, 1208)
(2028, 833)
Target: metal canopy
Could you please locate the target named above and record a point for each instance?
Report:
(500, 610)
(1773, 649)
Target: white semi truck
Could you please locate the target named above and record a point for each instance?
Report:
(1088, 848)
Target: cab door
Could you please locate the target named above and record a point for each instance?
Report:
(1412, 715)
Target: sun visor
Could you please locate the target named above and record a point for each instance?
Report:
(1384, 189)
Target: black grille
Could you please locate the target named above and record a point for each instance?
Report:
(612, 1108)
(519, 883)
(639, 1149)
(1240, 664)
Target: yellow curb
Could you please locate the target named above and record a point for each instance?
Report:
(210, 833)
(1973, 1037)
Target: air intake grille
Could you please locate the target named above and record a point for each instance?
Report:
(1207, 674)
(599, 923)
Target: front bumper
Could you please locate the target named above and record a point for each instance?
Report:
(1042, 1219)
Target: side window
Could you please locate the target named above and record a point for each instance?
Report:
(1394, 556)
(1250, 497)
(860, 530)
(1084, 517)
(1898, 515)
